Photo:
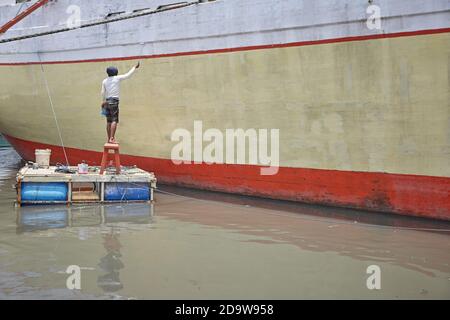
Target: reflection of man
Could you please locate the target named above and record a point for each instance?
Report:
(111, 263)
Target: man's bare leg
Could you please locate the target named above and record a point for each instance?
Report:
(112, 138)
(108, 130)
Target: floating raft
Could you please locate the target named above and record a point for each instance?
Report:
(47, 186)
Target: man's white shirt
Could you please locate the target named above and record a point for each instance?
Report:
(111, 85)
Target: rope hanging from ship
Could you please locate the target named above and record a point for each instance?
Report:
(107, 20)
(53, 111)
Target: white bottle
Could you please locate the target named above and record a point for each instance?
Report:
(83, 168)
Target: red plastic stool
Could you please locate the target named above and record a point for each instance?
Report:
(106, 148)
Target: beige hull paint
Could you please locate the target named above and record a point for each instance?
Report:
(377, 105)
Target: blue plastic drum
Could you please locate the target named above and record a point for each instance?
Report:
(124, 191)
(48, 191)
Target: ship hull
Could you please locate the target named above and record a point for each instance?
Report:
(362, 115)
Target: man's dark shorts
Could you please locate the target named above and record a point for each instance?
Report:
(112, 110)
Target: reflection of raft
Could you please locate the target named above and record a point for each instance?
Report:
(42, 218)
(46, 186)
(31, 218)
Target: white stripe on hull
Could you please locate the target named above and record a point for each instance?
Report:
(213, 25)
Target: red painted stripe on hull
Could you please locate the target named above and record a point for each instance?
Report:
(248, 48)
(19, 17)
(414, 195)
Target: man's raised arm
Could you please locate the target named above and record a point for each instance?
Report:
(129, 73)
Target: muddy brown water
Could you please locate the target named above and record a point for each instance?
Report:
(201, 245)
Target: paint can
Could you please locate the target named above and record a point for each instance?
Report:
(43, 157)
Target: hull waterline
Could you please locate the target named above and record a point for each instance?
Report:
(420, 196)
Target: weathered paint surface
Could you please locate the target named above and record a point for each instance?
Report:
(363, 121)
(359, 106)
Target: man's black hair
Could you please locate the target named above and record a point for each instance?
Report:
(112, 71)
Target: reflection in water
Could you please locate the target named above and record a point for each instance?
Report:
(403, 241)
(214, 246)
(111, 263)
(35, 218)
(41, 218)
(32, 218)
(311, 210)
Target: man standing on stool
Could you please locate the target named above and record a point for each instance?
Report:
(110, 96)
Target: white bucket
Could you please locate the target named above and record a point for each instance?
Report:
(43, 157)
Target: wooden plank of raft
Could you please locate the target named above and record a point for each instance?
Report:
(19, 191)
(84, 196)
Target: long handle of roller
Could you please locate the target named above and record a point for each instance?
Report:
(22, 15)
